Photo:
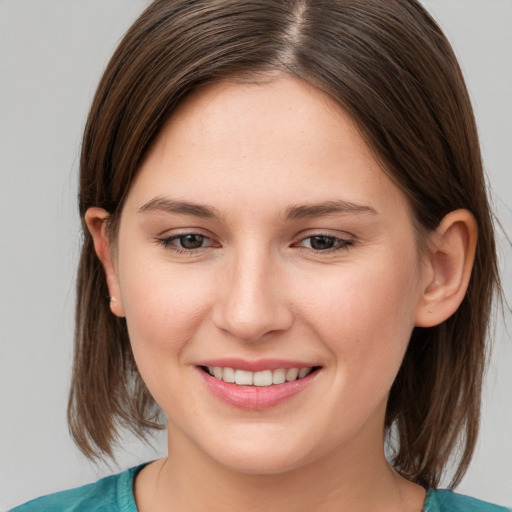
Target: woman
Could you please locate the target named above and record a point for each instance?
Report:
(285, 203)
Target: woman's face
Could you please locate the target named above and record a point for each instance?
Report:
(261, 236)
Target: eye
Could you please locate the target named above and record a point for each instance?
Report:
(191, 241)
(325, 243)
(186, 242)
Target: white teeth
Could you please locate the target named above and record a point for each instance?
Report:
(303, 372)
(279, 376)
(243, 378)
(291, 374)
(262, 378)
(228, 375)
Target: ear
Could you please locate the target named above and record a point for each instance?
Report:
(447, 268)
(96, 220)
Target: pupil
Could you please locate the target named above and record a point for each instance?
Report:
(321, 242)
(191, 241)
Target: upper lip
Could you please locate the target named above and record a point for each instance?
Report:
(255, 366)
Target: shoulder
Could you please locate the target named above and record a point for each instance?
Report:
(449, 501)
(110, 494)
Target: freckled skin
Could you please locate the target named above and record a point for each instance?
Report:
(257, 289)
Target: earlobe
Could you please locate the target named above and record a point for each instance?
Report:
(448, 268)
(96, 220)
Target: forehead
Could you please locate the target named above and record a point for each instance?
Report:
(254, 145)
(275, 114)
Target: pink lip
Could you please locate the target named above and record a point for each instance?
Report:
(255, 397)
(255, 366)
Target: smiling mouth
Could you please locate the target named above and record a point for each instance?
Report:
(262, 378)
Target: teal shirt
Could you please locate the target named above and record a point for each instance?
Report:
(115, 494)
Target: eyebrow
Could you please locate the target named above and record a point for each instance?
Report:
(182, 207)
(326, 208)
(293, 212)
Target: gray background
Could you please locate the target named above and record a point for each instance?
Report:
(52, 53)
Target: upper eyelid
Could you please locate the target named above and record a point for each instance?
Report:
(173, 234)
(171, 238)
(169, 233)
(327, 233)
(344, 240)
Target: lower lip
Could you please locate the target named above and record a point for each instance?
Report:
(255, 397)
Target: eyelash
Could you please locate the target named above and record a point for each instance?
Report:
(167, 243)
(340, 244)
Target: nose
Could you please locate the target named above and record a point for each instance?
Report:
(252, 302)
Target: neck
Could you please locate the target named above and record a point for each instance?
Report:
(346, 480)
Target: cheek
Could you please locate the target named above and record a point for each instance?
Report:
(164, 312)
(365, 314)
(164, 305)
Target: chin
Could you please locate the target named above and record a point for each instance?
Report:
(261, 464)
(256, 457)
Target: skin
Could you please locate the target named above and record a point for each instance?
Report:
(259, 287)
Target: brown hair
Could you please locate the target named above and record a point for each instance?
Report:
(390, 66)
